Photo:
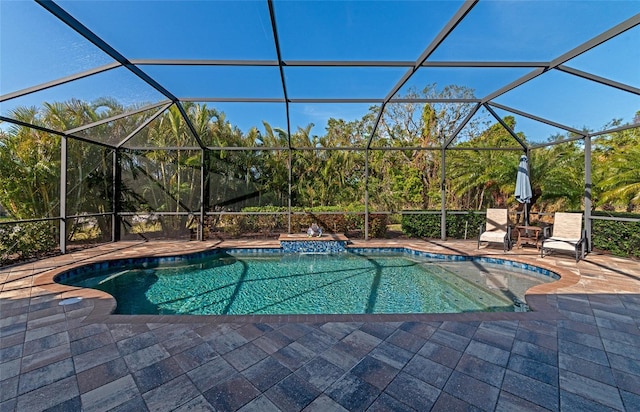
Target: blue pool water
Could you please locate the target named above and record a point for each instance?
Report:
(312, 284)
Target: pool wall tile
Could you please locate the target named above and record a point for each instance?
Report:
(313, 246)
(306, 246)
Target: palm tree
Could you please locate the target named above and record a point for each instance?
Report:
(559, 173)
(306, 167)
(484, 178)
(621, 182)
(274, 166)
(29, 168)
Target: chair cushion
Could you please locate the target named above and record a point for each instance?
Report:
(560, 243)
(493, 236)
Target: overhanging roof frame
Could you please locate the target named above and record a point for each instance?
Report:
(599, 79)
(506, 126)
(588, 45)
(276, 40)
(163, 148)
(484, 64)
(189, 124)
(52, 131)
(461, 126)
(487, 101)
(615, 129)
(326, 100)
(84, 31)
(440, 37)
(144, 124)
(62, 80)
(584, 135)
(273, 63)
(557, 142)
(334, 63)
(537, 118)
(116, 117)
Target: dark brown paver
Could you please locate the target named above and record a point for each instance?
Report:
(210, 374)
(353, 393)
(532, 390)
(386, 403)
(472, 391)
(447, 403)
(157, 374)
(320, 373)
(171, 395)
(101, 375)
(231, 394)
(266, 373)
(292, 393)
(375, 372)
(245, 356)
(110, 395)
(413, 392)
(429, 371)
(578, 351)
(482, 370)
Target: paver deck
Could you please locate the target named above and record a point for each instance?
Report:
(579, 349)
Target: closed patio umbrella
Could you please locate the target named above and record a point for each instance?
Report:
(523, 186)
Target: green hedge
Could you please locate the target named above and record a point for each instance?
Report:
(331, 223)
(428, 225)
(618, 238)
(26, 240)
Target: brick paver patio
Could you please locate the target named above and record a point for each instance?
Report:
(579, 350)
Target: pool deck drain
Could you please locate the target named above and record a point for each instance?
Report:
(70, 301)
(580, 352)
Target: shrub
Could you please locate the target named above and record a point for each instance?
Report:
(231, 224)
(26, 240)
(618, 238)
(459, 225)
(336, 222)
(424, 226)
(378, 225)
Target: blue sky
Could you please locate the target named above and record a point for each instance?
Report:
(36, 48)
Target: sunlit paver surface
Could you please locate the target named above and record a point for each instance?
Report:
(579, 350)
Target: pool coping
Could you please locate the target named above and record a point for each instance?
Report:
(103, 304)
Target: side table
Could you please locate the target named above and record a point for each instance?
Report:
(528, 235)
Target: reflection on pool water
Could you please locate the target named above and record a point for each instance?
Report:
(275, 283)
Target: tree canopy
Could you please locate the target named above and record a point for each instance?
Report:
(404, 162)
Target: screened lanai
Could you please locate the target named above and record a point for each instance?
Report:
(196, 119)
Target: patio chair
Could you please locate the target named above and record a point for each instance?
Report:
(567, 235)
(496, 229)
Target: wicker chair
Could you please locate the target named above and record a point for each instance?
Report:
(496, 229)
(567, 235)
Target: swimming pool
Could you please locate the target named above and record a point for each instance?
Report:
(237, 282)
